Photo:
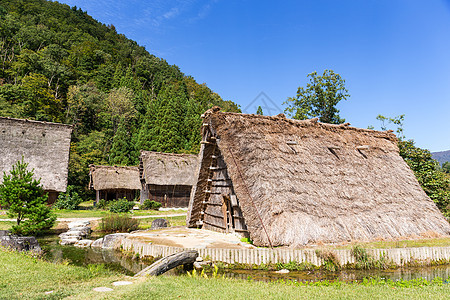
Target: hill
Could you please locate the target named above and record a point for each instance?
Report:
(59, 64)
(441, 156)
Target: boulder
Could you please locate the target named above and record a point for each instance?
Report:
(112, 241)
(98, 243)
(78, 224)
(159, 223)
(68, 241)
(83, 243)
(20, 243)
(84, 231)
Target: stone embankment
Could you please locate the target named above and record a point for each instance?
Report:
(77, 231)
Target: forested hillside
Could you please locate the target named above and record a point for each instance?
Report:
(59, 64)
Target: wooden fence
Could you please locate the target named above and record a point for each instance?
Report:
(399, 256)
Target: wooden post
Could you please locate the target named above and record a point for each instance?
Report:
(144, 192)
(97, 196)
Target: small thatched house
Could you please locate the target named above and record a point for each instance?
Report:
(44, 146)
(114, 182)
(289, 183)
(167, 177)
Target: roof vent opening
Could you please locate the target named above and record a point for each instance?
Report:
(333, 149)
(362, 147)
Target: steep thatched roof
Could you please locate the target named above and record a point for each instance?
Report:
(45, 147)
(114, 177)
(305, 182)
(168, 168)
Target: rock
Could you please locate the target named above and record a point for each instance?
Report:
(70, 234)
(102, 289)
(4, 232)
(159, 223)
(282, 271)
(199, 258)
(83, 243)
(98, 243)
(78, 224)
(70, 241)
(111, 241)
(197, 265)
(84, 231)
(20, 243)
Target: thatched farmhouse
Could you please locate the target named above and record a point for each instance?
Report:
(114, 182)
(167, 177)
(289, 183)
(44, 146)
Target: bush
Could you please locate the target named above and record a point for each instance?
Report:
(118, 223)
(102, 204)
(121, 206)
(150, 204)
(68, 200)
(26, 201)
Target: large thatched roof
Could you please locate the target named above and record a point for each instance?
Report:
(168, 169)
(114, 177)
(44, 146)
(306, 182)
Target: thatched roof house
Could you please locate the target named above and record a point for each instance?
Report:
(114, 182)
(44, 146)
(167, 177)
(289, 183)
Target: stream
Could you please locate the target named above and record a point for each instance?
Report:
(115, 261)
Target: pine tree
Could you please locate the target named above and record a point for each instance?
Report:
(123, 151)
(164, 120)
(25, 200)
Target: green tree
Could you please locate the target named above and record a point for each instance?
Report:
(446, 167)
(123, 151)
(162, 130)
(398, 120)
(319, 98)
(259, 111)
(431, 178)
(25, 200)
(434, 182)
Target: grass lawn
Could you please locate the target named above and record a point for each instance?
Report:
(173, 221)
(24, 277)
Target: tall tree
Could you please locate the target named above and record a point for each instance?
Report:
(162, 130)
(319, 98)
(123, 151)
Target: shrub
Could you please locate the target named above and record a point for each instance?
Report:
(102, 204)
(68, 200)
(118, 223)
(121, 206)
(150, 204)
(26, 201)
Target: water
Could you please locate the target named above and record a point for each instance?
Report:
(114, 260)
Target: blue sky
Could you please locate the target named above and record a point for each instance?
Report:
(393, 54)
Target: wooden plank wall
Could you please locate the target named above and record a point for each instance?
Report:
(399, 256)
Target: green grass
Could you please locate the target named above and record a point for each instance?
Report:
(173, 221)
(24, 277)
(6, 225)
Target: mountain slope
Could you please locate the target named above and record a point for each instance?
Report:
(59, 64)
(441, 156)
